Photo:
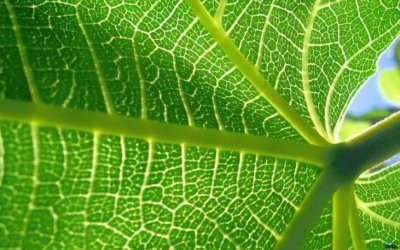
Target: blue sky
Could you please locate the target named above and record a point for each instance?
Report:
(370, 97)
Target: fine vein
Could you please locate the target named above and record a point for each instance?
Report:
(253, 75)
(46, 115)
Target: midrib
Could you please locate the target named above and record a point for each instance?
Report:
(46, 115)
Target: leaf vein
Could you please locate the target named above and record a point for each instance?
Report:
(23, 54)
(97, 65)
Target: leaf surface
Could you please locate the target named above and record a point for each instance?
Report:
(389, 83)
(153, 60)
(378, 199)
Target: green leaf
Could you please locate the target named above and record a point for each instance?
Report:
(378, 199)
(350, 128)
(134, 124)
(389, 80)
(389, 83)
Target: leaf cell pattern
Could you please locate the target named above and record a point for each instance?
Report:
(71, 189)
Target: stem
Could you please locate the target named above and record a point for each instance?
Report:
(46, 115)
(389, 122)
(374, 146)
(355, 225)
(341, 200)
(302, 222)
(253, 75)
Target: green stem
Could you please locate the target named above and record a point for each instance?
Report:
(372, 147)
(341, 200)
(46, 115)
(253, 75)
(310, 210)
(391, 122)
(355, 225)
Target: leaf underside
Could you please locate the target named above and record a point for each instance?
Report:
(64, 188)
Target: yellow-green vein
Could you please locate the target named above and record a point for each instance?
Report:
(301, 223)
(304, 71)
(340, 229)
(220, 11)
(357, 235)
(375, 216)
(253, 75)
(45, 115)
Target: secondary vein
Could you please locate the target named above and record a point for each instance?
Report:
(252, 74)
(22, 53)
(96, 62)
(305, 74)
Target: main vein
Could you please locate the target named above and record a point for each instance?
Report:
(311, 207)
(357, 235)
(251, 72)
(46, 115)
(340, 214)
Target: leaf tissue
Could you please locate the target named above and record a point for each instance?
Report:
(188, 124)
